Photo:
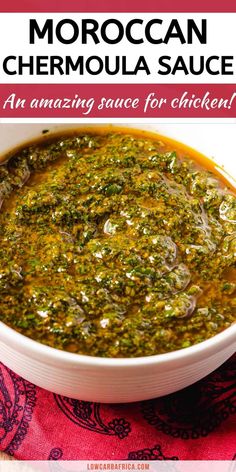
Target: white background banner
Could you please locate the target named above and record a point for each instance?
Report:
(221, 41)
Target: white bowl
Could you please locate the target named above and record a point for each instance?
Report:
(121, 380)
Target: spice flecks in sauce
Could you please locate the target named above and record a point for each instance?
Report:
(115, 245)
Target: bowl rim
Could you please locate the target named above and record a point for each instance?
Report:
(51, 355)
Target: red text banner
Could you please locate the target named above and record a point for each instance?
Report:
(117, 100)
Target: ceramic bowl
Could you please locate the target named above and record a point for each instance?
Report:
(121, 380)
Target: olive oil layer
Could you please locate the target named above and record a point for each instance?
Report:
(115, 245)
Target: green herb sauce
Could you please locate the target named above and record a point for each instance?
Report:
(115, 245)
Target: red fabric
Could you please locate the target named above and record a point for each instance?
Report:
(196, 423)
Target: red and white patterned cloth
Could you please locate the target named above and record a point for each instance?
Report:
(197, 423)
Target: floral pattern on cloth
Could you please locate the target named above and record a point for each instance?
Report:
(197, 423)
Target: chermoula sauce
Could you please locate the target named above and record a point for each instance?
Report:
(115, 244)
